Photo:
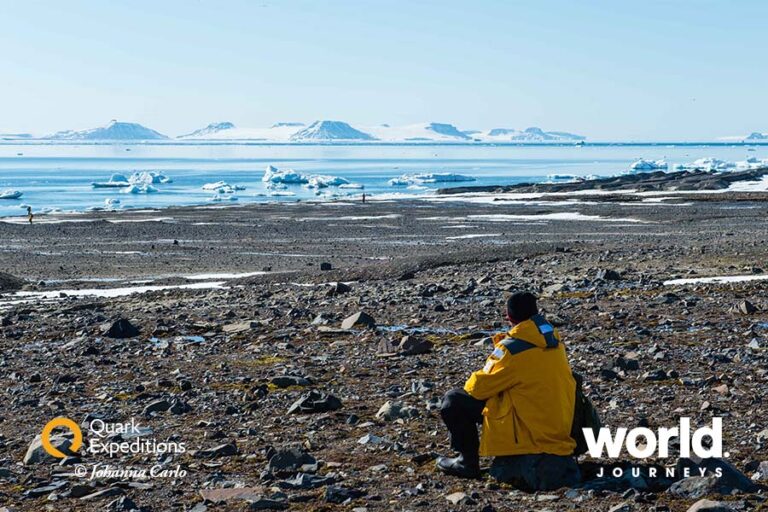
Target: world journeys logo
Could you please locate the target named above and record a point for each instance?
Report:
(110, 440)
(643, 443)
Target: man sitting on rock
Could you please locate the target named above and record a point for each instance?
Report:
(524, 397)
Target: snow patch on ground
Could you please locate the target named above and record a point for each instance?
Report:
(716, 280)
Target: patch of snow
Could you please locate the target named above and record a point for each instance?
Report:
(716, 280)
(474, 235)
(117, 292)
(564, 216)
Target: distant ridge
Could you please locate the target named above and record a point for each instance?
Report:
(209, 130)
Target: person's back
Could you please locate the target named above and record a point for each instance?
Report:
(529, 392)
(525, 397)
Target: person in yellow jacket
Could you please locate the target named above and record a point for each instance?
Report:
(524, 397)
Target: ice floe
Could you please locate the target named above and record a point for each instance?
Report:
(10, 194)
(140, 180)
(432, 177)
(279, 178)
(648, 165)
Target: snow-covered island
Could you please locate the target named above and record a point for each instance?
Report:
(320, 131)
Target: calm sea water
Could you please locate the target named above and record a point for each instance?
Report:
(59, 177)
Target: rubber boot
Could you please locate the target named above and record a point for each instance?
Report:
(461, 466)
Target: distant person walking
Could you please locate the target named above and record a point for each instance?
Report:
(363, 197)
(29, 214)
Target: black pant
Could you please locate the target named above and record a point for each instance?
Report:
(461, 414)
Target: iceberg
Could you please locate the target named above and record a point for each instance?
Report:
(356, 186)
(150, 177)
(321, 181)
(140, 188)
(648, 165)
(137, 178)
(10, 194)
(285, 176)
(419, 179)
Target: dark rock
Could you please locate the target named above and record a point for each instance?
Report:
(9, 283)
(315, 401)
(608, 275)
(744, 307)
(119, 329)
(338, 288)
(326, 266)
(156, 406)
(334, 494)
(411, 345)
(289, 460)
(223, 450)
(286, 381)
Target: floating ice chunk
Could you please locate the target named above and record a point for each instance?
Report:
(356, 186)
(648, 165)
(143, 188)
(562, 178)
(217, 198)
(10, 194)
(286, 176)
(149, 177)
(437, 177)
(115, 181)
(708, 164)
(281, 193)
(321, 181)
(222, 187)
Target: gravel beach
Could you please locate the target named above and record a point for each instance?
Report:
(239, 348)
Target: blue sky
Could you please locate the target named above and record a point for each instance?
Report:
(645, 70)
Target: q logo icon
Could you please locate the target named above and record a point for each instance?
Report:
(45, 436)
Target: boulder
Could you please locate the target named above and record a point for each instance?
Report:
(744, 308)
(290, 460)
(9, 283)
(608, 275)
(392, 411)
(361, 320)
(338, 288)
(36, 454)
(711, 506)
(411, 345)
(324, 266)
(314, 402)
(120, 329)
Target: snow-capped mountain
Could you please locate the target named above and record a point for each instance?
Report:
(211, 129)
(532, 134)
(330, 130)
(115, 130)
(278, 132)
(423, 132)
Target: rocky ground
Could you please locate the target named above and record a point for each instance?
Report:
(281, 403)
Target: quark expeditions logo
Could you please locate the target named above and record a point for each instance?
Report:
(113, 440)
(45, 436)
(644, 443)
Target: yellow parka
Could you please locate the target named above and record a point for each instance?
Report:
(529, 392)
